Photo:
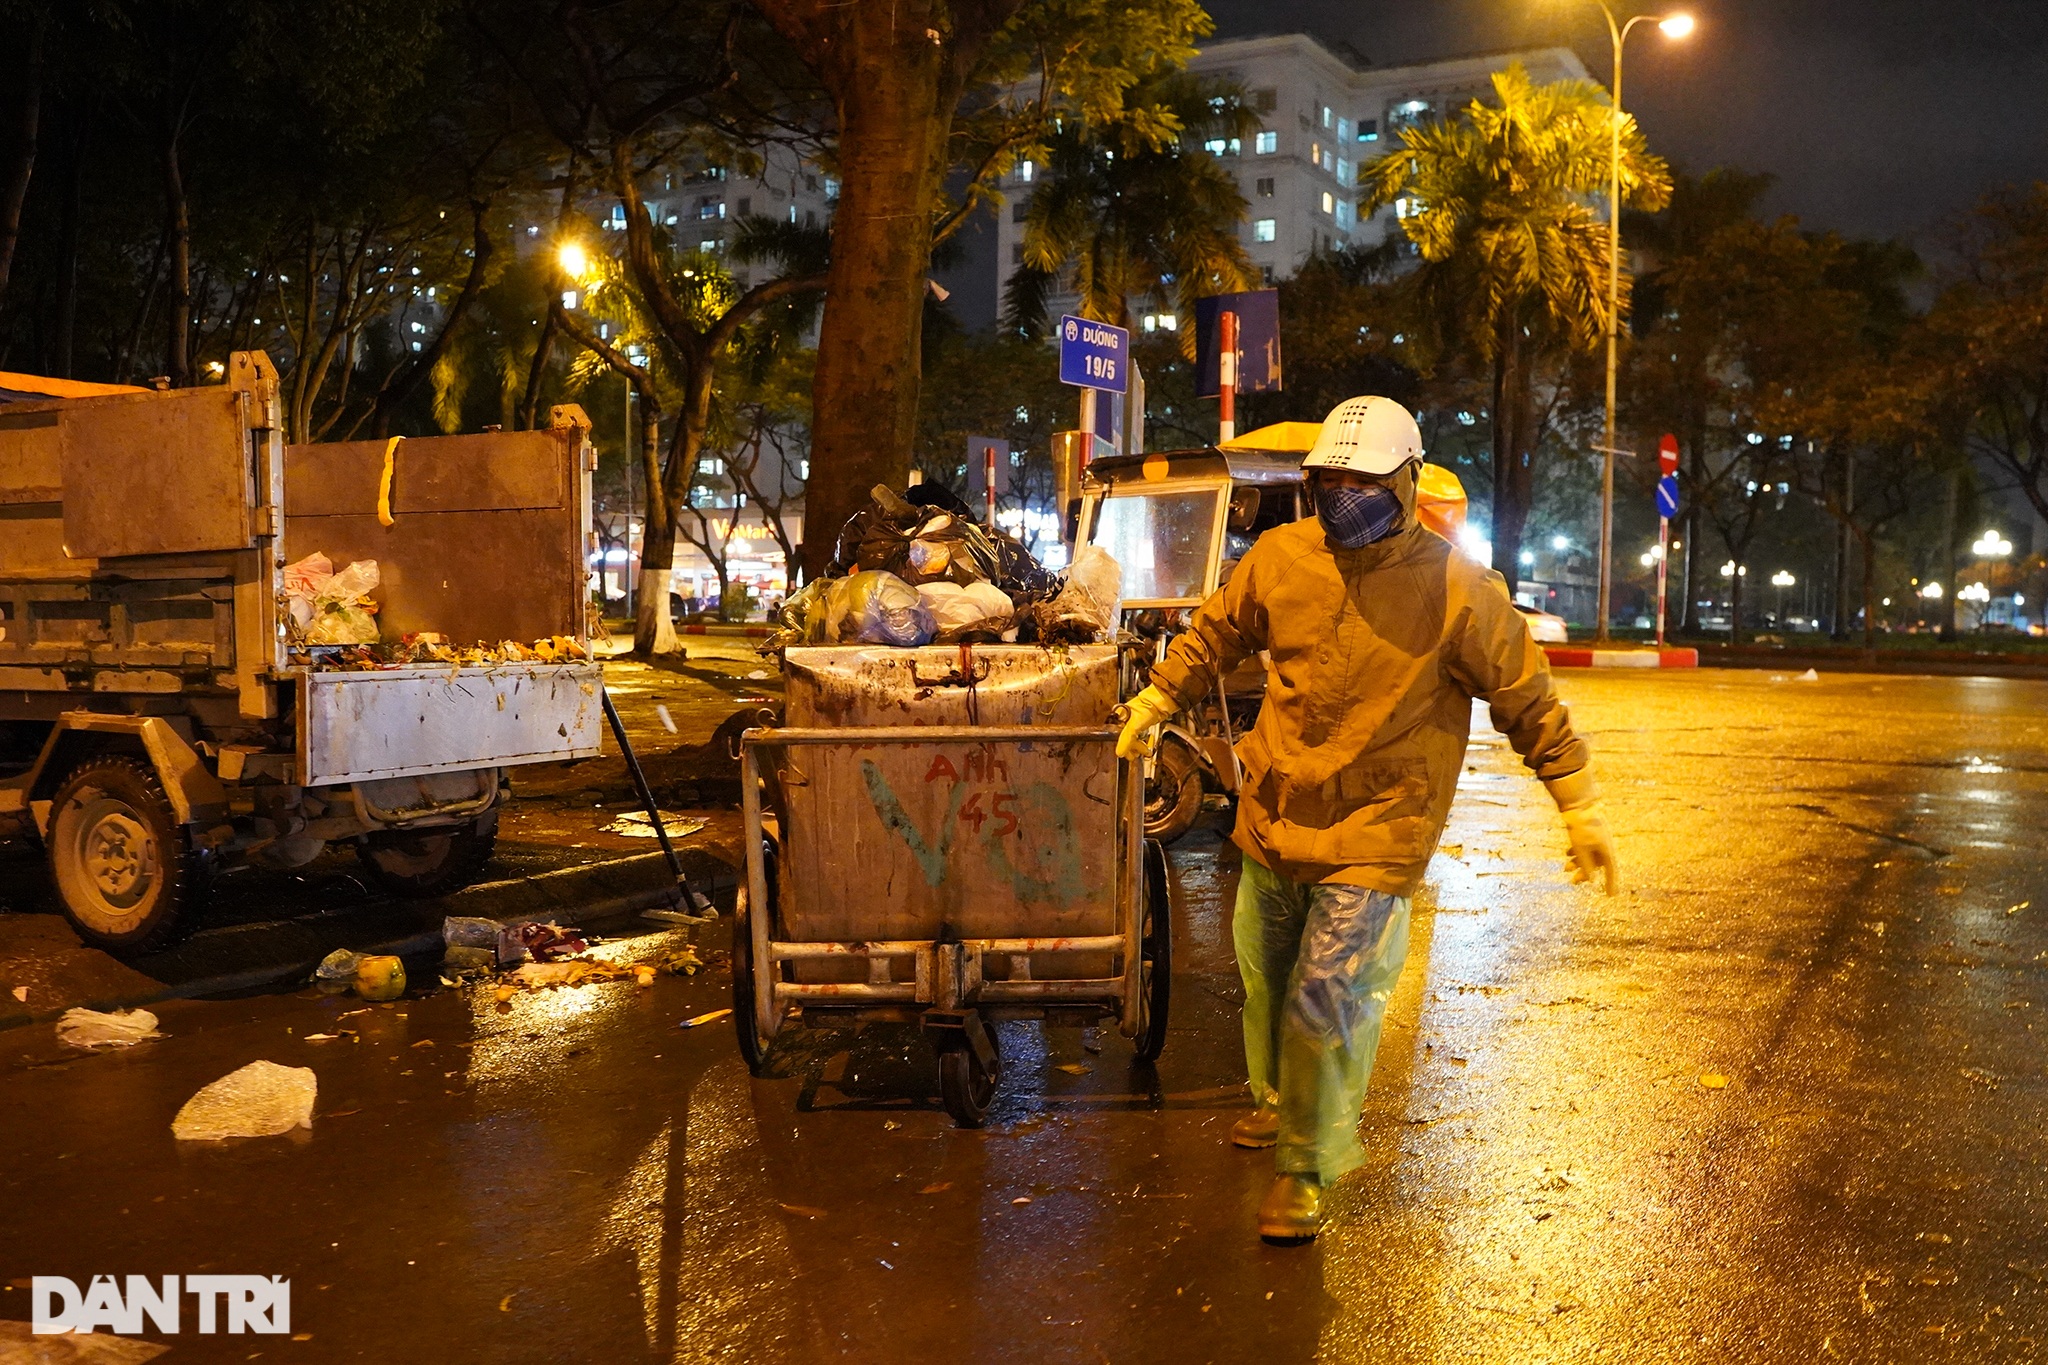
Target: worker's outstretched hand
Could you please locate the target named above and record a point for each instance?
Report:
(1592, 856)
(1149, 710)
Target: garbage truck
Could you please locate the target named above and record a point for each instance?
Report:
(163, 713)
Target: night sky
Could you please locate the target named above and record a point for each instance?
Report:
(1878, 117)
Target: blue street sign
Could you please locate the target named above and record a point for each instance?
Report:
(1258, 341)
(1094, 355)
(1667, 496)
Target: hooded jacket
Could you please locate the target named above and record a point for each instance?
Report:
(1374, 657)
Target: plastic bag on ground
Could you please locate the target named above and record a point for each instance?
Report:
(1085, 610)
(263, 1099)
(882, 609)
(468, 931)
(977, 613)
(339, 965)
(119, 1028)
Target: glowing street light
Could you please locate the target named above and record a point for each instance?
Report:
(574, 260)
(1976, 592)
(1674, 26)
(1782, 579)
(1931, 591)
(1991, 545)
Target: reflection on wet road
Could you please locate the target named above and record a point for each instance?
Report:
(1782, 1100)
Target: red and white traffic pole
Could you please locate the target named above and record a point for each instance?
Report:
(1667, 467)
(988, 473)
(1226, 377)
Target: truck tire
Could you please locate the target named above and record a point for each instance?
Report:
(124, 867)
(422, 863)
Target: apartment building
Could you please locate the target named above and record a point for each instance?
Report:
(1325, 113)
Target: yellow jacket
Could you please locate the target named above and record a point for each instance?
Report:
(1374, 657)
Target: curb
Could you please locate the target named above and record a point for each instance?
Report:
(750, 632)
(638, 882)
(1569, 656)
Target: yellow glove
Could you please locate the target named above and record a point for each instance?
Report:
(1592, 855)
(1149, 710)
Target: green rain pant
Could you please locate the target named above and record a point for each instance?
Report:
(1319, 963)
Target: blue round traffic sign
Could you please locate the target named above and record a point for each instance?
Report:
(1667, 496)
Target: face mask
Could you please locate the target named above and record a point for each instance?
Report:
(1356, 517)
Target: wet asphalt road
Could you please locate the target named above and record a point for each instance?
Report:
(1837, 903)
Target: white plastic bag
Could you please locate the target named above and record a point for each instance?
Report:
(263, 1099)
(881, 609)
(1085, 611)
(957, 610)
(119, 1028)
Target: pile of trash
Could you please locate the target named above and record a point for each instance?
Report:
(915, 568)
(331, 623)
(531, 955)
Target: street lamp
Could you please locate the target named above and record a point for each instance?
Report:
(1782, 580)
(1673, 26)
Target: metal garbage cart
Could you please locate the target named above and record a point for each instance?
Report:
(945, 836)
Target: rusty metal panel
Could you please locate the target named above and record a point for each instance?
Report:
(404, 722)
(949, 840)
(472, 517)
(31, 460)
(157, 473)
(490, 472)
(847, 685)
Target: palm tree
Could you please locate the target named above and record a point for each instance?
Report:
(1121, 213)
(1499, 203)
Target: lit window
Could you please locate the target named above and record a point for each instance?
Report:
(1315, 151)
(1217, 146)
(1025, 170)
(1329, 161)
(1263, 229)
(1326, 116)
(1329, 202)
(1368, 130)
(1151, 322)
(1406, 207)
(1024, 414)
(1343, 130)
(1343, 171)
(1344, 213)
(1265, 144)
(1264, 188)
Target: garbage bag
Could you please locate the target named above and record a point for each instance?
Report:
(469, 931)
(882, 609)
(1085, 609)
(978, 612)
(339, 965)
(342, 626)
(118, 1028)
(936, 543)
(262, 1099)
(801, 618)
(352, 584)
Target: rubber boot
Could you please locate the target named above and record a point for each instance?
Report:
(1260, 1128)
(1292, 1211)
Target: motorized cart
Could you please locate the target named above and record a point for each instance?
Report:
(945, 836)
(159, 716)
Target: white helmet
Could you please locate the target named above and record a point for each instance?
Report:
(1366, 436)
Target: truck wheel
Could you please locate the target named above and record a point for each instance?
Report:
(1173, 796)
(753, 1049)
(422, 863)
(124, 866)
(1158, 951)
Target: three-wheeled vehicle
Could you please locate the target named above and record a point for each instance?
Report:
(157, 718)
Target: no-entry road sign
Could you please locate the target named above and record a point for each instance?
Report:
(1094, 355)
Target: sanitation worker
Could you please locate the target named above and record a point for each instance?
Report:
(1378, 636)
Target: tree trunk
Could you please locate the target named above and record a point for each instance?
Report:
(1509, 513)
(1865, 546)
(14, 194)
(71, 215)
(178, 228)
(1735, 600)
(654, 630)
(893, 124)
(1838, 628)
(1949, 534)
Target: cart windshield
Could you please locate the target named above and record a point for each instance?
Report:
(1165, 542)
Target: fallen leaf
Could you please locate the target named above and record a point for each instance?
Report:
(340, 1113)
(1714, 1080)
(804, 1210)
(21, 992)
(890, 1125)
(2010, 910)
(302, 1336)
(505, 993)
(505, 1304)
(1075, 1068)
(321, 1037)
(939, 1188)
(702, 1019)
(424, 1042)
(1456, 1061)
(1021, 1199)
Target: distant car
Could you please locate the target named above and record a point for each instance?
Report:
(1544, 627)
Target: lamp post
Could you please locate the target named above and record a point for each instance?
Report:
(1675, 25)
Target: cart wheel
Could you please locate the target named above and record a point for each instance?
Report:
(124, 866)
(421, 864)
(752, 1049)
(1173, 794)
(965, 1086)
(1158, 949)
